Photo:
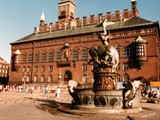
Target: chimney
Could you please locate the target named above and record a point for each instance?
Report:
(57, 25)
(100, 17)
(84, 20)
(92, 19)
(35, 30)
(109, 16)
(77, 20)
(45, 27)
(117, 13)
(134, 8)
(126, 14)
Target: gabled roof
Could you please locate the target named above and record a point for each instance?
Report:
(2, 60)
(132, 22)
(140, 40)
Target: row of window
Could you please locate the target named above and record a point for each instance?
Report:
(43, 56)
(43, 69)
(3, 71)
(3, 66)
(28, 58)
(49, 78)
(50, 68)
(35, 79)
(133, 32)
(127, 51)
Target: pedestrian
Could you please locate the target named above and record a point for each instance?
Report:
(58, 91)
(45, 90)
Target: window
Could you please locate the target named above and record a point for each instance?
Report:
(36, 59)
(42, 78)
(43, 69)
(6, 67)
(125, 66)
(59, 55)
(50, 78)
(6, 71)
(28, 69)
(75, 55)
(24, 69)
(126, 52)
(84, 67)
(84, 78)
(24, 58)
(36, 69)
(50, 69)
(30, 58)
(84, 54)
(28, 78)
(43, 57)
(140, 50)
(51, 57)
(35, 78)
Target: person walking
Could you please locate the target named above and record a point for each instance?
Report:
(58, 91)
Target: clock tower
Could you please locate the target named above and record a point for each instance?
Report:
(66, 10)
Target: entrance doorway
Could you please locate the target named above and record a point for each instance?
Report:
(67, 77)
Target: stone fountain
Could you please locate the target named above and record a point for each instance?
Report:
(102, 95)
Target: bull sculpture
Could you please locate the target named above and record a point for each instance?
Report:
(103, 55)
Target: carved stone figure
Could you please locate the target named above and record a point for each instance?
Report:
(128, 93)
(105, 54)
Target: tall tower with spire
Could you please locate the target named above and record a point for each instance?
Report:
(134, 8)
(66, 10)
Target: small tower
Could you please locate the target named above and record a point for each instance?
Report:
(66, 10)
(42, 22)
(134, 8)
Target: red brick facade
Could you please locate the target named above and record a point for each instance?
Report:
(4, 69)
(43, 56)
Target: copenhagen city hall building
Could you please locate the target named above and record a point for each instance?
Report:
(55, 52)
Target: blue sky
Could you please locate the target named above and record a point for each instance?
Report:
(19, 17)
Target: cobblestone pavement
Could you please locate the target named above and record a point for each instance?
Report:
(37, 106)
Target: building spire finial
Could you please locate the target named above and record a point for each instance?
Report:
(42, 16)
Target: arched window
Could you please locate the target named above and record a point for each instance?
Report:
(50, 78)
(28, 78)
(42, 78)
(35, 78)
(84, 78)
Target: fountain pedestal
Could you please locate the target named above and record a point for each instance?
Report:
(103, 96)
